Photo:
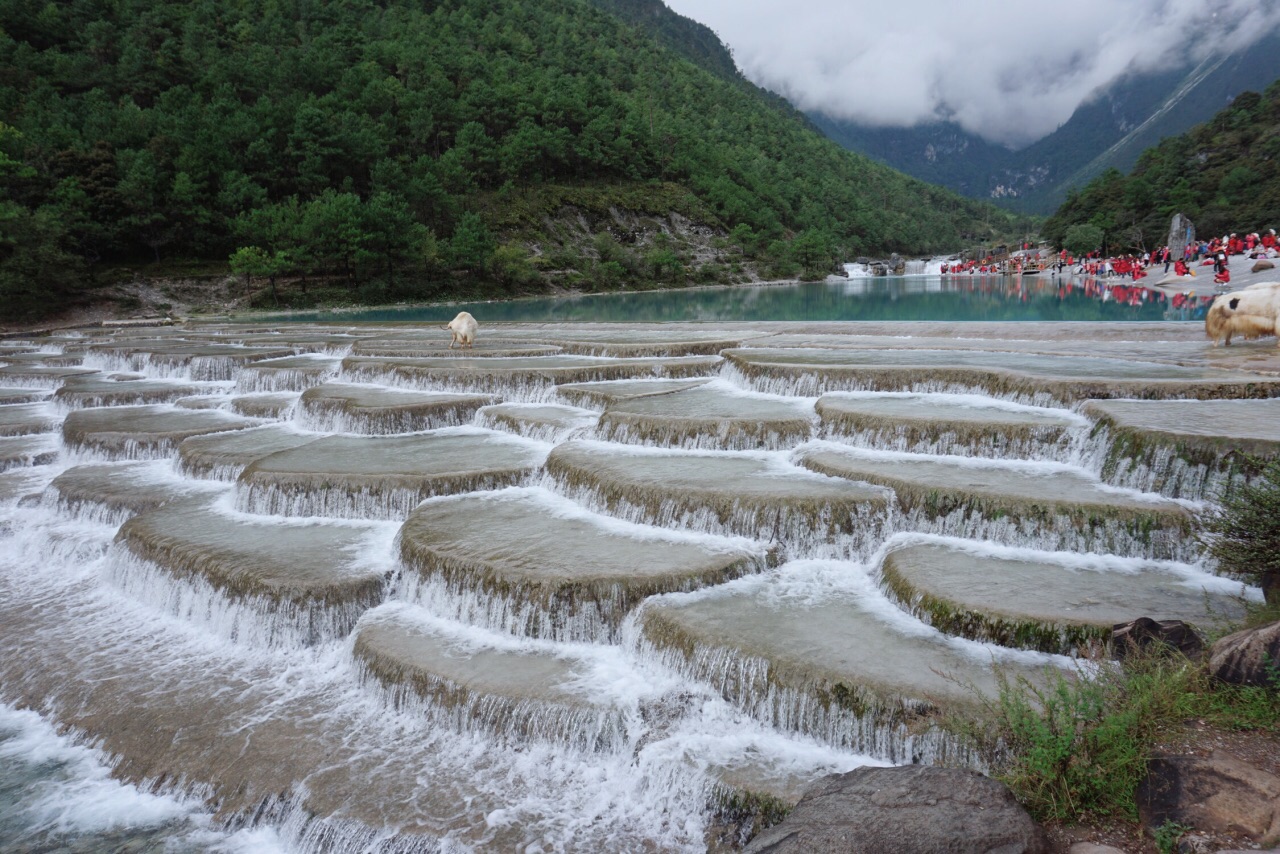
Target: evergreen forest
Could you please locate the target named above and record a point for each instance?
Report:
(1224, 175)
(418, 149)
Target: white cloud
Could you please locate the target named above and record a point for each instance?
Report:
(1008, 70)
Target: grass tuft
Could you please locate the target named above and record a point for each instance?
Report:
(1079, 745)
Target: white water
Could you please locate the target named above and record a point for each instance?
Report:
(543, 795)
(914, 267)
(56, 791)
(79, 616)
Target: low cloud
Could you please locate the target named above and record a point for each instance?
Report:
(1010, 71)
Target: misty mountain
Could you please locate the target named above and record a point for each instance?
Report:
(1109, 131)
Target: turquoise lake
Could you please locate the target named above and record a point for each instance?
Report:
(979, 298)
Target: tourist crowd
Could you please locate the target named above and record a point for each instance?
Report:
(1115, 278)
(1216, 252)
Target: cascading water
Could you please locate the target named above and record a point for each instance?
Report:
(911, 267)
(597, 626)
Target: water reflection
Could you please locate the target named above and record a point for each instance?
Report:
(990, 298)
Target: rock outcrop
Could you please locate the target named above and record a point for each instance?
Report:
(1217, 794)
(1249, 657)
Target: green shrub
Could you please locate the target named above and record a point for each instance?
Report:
(1076, 745)
(1167, 835)
(1243, 534)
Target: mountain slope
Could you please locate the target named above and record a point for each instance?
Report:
(1223, 174)
(420, 146)
(941, 153)
(1108, 132)
(696, 42)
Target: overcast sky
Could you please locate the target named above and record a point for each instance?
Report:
(1008, 70)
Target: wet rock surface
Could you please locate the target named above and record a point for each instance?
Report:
(844, 667)
(20, 451)
(225, 455)
(98, 390)
(350, 408)
(1173, 446)
(21, 395)
(818, 371)
(1055, 603)
(589, 587)
(914, 419)
(382, 476)
(131, 432)
(585, 573)
(738, 493)
(265, 405)
(1068, 505)
(714, 415)
(311, 572)
(22, 419)
(514, 375)
(515, 691)
(119, 490)
(606, 391)
(548, 421)
(292, 373)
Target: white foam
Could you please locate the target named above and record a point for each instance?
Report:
(1188, 575)
(1044, 468)
(968, 401)
(563, 508)
(68, 787)
(811, 582)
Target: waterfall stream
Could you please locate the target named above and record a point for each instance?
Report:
(337, 588)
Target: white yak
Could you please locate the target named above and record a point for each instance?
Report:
(464, 328)
(1250, 313)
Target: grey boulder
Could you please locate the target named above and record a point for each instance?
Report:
(912, 808)
(1249, 657)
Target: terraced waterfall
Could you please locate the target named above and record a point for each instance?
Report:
(593, 588)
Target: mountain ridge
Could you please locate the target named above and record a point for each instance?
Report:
(1110, 130)
(1223, 174)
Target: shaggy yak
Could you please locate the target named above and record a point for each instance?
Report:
(464, 328)
(1250, 313)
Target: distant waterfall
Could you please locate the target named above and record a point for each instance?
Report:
(913, 267)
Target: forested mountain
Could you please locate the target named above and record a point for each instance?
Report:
(411, 148)
(1224, 175)
(1109, 131)
(694, 41)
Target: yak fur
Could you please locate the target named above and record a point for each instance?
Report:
(464, 329)
(1249, 313)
